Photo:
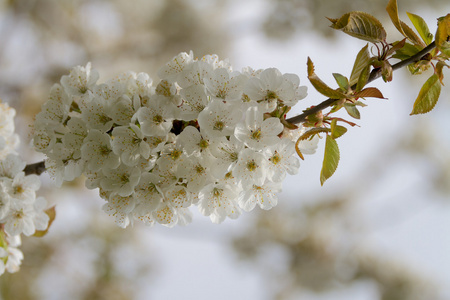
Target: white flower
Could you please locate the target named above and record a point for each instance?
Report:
(223, 85)
(147, 164)
(300, 92)
(4, 202)
(141, 86)
(7, 120)
(230, 179)
(156, 118)
(263, 195)
(170, 91)
(251, 168)
(44, 140)
(250, 72)
(144, 215)
(130, 143)
(308, 146)
(80, 80)
(194, 101)
(92, 178)
(55, 111)
(147, 194)
(174, 67)
(257, 133)
(73, 139)
(166, 216)
(178, 196)
(8, 140)
(197, 172)
(226, 153)
(110, 91)
(122, 111)
(13, 240)
(192, 141)
(97, 113)
(269, 88)
(13, 258)
(2, 144)
(26, 218)
(165, 178)
(11, 166)
(157, 142)
(219, 119)
(61, 166)
(195, 73)
(218, 201)
(22, 189)
(8, 145)
(120, 208)
(214, 61)
(169, 216)
(282, 158)
(97, 151)
(40, 219)
(121, 180)
(184, 216)
(171, 155)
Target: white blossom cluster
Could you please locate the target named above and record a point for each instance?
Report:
(20, 210)
(204, 135)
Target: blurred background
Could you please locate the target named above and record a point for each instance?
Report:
(378, 229)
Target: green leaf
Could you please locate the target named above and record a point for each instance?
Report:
(439, 66)
(337, 106)
(360, 25)
(370, 92)
(359, 103)
(51, 212)
(321, 86)
(419, 67)
(406, 52)
(404, 29)
(386, 71)
(313, 132)
(361, 62)
(3, 241)
(428, 96)
(352, 110)
(412, 36)
(363, 78)
(396, 46)
(309, 134)
(443, 35)
(330, 160)
(337, 130)
(421, 27)
(342, 81)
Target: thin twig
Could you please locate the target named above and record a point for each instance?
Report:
(375, 74)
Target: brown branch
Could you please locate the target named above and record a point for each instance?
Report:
(36, 168)
(375, 74)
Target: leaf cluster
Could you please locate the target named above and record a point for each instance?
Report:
(417, 50)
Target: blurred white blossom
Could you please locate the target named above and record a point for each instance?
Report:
(21, 212)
